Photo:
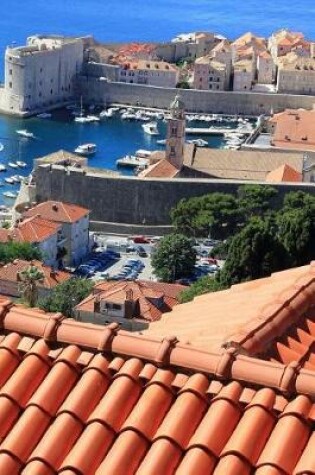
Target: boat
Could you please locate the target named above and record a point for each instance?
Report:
(9, 180)
(86, 149)
(198, 142)
(13, 165)
(44, 115)
(24, 133)
(93, 118)
(143, 153)
(10, 194)
(16, 178)
(151, 128)
(107, 113)
(132, 161)
(1, 147)
(21, 164)
(161, 142)
(3, 168)
(82, 119)
(128, 116)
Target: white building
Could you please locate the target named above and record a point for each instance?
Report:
(265, 68)
(41, 74)
(74, 223)
(296, 75)
(153, 73)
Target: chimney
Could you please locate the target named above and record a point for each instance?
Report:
(55, 207)
(97, 304)
(129, 304)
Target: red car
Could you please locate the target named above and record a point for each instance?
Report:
(140, 240)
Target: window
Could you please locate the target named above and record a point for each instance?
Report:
(40, 94)
(116, 306)
(173, 131)
(10, 85)
(172, 150)
(10, 72)
(210, 86)
(41, 70)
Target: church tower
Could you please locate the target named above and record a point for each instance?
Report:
(175, 139)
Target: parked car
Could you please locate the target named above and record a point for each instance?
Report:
(141, 251)
(141, 240)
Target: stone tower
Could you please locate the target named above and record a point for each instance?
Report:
(175, 139)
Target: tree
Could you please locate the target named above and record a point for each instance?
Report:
(202, 286)
(28, 281)
(183, 85)
(255, 200)
(66, 296)
(174, 258)
(254, 252)
(18, 250)
(298, 200)
(296, 231)
(216, 214)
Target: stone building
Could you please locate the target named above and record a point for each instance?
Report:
(244, 75)
(265, 68)
(284, 41)
(175, 139)
(41, 74)
(188, 46)
(296, 75)
(151, 73)
(210, 74)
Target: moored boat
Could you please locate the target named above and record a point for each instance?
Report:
(151, 128)
(25, 133)
(10, 194)
(13, 165)
(21, 164)
(132, 161)
(86, 149)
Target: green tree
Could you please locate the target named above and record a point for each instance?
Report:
(183, 85)
(215, 214)
(298, 200)
(66, 296)
(174, 258)
(296, 231)
(255, 200)
(18, 250)
(254, 252)
(202, 286)
(29, 279)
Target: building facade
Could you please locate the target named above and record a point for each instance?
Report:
(152, 73)
(175, 139)
(210, 74)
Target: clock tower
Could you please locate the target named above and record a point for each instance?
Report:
(175, 139)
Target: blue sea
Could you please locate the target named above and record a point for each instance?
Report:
(124, 20)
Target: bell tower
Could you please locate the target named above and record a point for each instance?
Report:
(175, 139)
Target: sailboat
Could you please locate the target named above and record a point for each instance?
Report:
(81, 118)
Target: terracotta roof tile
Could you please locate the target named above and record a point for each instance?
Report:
(58, 212)
(97, 400)
(294, 129)
(284, 173)
(161, 169)
(34, 229)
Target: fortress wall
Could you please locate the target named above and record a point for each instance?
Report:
(130, 200)
(96, 91)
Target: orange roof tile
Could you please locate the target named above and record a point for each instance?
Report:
(58, 212)
(294, 129)
(284, 173)
(10, 271)
(146, 293)
(96, 401)
(161, 169)
(33, 229)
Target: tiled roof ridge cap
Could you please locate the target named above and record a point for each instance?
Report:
(274, 317)
(163, 353)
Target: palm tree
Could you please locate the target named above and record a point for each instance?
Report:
(29, 278)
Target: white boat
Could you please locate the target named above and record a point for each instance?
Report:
(24, 133)
(3, 168)
(1, 147)
(143, 153)
(9, 194)
(13, 165)
(9, 180)
(128, 116)
(21, 164)
(44, 115)
(86, 149)
(132, 161)
(16, 178)
(82, 119)
(93, 118)
(198, 142)
(151, 128)
(161, 142)
(106, 114)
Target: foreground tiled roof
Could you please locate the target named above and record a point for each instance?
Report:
(294, 129)
(78, 399)
(214, 319)
(9, 272)
(58, 211)
(144, 292)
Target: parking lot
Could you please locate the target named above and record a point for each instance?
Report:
(121, 258)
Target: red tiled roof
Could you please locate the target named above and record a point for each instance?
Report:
(284, 173)
(9, 272)
(143, 292)
(58, 212)
(33, 229)
(161, 169)
(294, 129)
(83, 399)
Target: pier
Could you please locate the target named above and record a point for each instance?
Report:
(213, 131)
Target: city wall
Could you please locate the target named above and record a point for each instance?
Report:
(129, 200)
(101, 92)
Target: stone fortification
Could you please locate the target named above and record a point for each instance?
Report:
(130, 200)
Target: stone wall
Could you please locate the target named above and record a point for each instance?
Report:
(227, 102)
(130, 200)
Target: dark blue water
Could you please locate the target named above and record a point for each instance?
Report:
(125, 20)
